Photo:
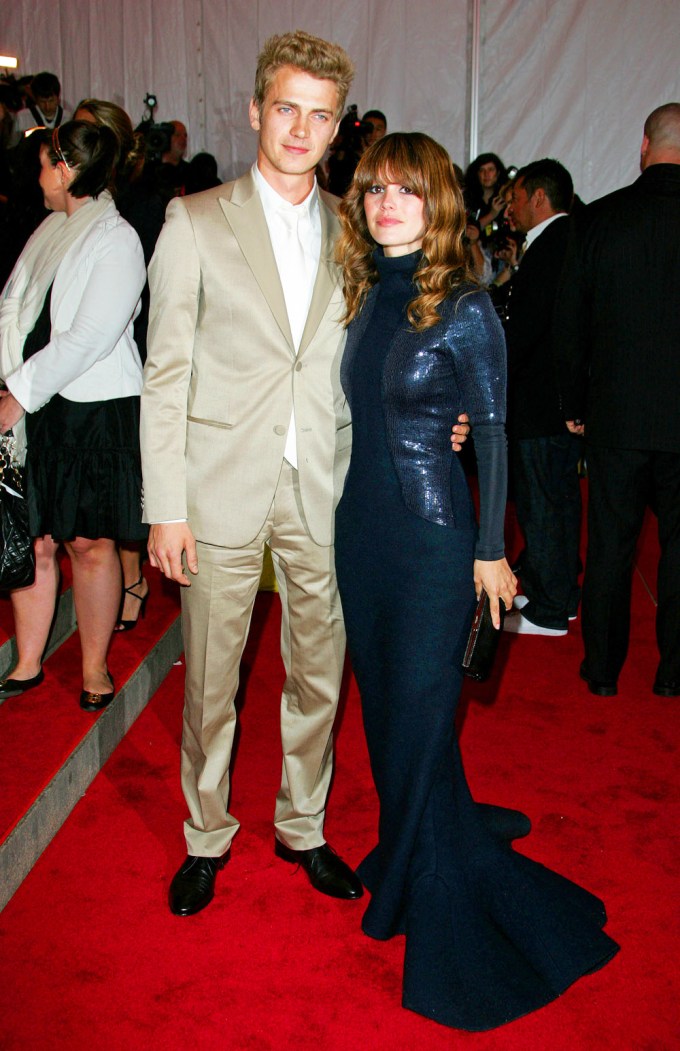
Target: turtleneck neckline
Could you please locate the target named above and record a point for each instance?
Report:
(396, 264)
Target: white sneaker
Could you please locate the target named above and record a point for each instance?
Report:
(521, 626)
(520, 601)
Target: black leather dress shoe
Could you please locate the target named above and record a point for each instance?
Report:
(13, 687)
(600, 689)
(666, 689)
(95, 702)
(327, 872)
(193, 885)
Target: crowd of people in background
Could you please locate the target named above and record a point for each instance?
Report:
(151, 168)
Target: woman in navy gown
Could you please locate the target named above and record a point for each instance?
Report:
(490, 934)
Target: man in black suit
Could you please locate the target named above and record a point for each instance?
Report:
(544, 456)
(618, 343)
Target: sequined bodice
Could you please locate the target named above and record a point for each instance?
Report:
(406, 390)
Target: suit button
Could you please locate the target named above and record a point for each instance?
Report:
(298, 367)
(279, 429)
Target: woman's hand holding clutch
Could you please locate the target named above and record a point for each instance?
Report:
(498, 580)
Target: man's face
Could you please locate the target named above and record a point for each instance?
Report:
(520, 211)
(296, 124)
(178, 140)
(47, 104)
(379, 130)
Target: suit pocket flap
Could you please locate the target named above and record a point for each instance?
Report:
(210, 423)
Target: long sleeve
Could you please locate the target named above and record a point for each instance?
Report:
(110, 294)
(491, 452)
(477, 336)
(175, 283)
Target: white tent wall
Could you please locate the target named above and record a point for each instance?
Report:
(572, 79)
(575, 79)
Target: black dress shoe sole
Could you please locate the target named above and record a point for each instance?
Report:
(297, 857)
(600, 689)
(191, 911)
(666, 689)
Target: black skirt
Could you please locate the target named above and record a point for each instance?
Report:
(83, 470)
(83, 466)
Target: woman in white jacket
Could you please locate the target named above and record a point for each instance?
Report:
(73, 377)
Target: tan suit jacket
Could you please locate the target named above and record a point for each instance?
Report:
(222, 375)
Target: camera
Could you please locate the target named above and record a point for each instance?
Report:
(156, 136)
(352, 130)
(498, 239)
(157, 140)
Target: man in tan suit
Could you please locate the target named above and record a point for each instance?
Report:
(246, 437)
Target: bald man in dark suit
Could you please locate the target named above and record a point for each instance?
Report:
(617, 337)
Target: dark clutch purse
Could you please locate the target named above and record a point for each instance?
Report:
(482, 641)
(17, 561)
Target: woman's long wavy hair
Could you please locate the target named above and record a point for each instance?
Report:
(417, 161)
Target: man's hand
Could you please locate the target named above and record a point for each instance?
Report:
(576, 427)
(10, 411)
(167, 542)
(460, 432)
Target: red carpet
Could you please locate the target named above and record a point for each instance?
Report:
(92, 957)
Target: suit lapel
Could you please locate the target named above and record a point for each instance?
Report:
(327, 276)
(245, 216)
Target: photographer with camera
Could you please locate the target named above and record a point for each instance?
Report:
(346, 150)
(378, 121)
(483, 181)
(165, 145)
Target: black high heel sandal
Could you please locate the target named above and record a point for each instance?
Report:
(128, 625)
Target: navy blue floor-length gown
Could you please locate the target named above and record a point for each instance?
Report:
(490, 934)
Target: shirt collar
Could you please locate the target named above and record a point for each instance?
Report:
(536, 231)
(273, 202)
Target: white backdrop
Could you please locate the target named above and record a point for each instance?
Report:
(573, 79)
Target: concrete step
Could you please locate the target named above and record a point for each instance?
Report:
(52, 750)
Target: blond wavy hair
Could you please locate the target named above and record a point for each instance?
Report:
(417, 161)
(308, 53)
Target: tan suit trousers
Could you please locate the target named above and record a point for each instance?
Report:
(216, 614)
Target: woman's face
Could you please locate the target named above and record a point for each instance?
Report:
(395, 216)
(52, 183)
(487, 174)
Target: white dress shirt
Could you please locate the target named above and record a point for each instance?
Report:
(297, 260)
